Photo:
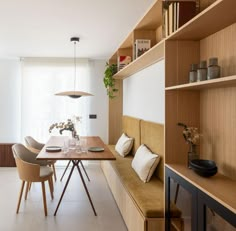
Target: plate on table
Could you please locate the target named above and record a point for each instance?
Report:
(53, 148)
(96, 149)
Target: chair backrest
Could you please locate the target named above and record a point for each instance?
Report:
(27, 171)
(23, 153)
(20, 151)
(31, 142)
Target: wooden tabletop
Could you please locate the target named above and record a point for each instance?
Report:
(91, 141)
(219, 187)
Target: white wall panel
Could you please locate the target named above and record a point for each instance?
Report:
(144, 94)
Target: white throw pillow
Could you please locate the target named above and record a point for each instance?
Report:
(124, 145)
(145, 163)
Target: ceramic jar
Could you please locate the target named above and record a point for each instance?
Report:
(193, 73)
(202, 71)
(213, 69)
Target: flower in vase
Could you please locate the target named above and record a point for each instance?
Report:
(65, 126)
(191, 134)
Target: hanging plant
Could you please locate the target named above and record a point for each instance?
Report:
(109, 81)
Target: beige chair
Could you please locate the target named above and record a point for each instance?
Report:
(29, 171)
(36, 147)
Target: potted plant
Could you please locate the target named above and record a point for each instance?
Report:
(109, 81)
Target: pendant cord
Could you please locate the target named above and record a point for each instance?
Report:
(75, 64)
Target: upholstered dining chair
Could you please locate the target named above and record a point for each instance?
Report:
(31, 170)
(36, 147)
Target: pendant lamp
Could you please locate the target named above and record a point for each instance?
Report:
(74, 94)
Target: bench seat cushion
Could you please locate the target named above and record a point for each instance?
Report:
(149, 197)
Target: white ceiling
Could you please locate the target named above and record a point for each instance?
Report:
(43, 28)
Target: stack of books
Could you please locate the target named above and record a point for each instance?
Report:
(140, 47)
(123, 61)
(176, 14)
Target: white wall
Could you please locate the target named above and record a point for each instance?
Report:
(144, 94)
(99, 102)
(10, 100)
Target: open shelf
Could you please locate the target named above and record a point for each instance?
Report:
(150, 57)
(214, 18)
(213, 83)
(219, 187)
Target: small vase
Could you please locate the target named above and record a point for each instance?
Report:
(192, 153)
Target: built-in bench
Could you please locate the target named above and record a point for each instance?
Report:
(141, 204)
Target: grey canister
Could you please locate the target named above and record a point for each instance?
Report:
(202, 71)
(213, 70)
(193, 73)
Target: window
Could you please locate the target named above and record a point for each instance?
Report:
(41, 79)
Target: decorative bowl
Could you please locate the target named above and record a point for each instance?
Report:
(205, 168)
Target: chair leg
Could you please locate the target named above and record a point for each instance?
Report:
(65, 170)
(27, 190)
(84, 170)
(44, 199)
(20, 196)
(54, 172)
(50, 183)
(30, 185)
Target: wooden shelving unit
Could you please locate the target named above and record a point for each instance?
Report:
(209, 105)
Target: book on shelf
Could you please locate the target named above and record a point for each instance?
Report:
(123, 60)
(176, 14)
(141, 46)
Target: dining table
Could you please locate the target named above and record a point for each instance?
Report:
(89, 148)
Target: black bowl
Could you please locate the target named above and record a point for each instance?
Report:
(203, 164)
(204, 168)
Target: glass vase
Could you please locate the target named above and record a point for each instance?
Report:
(192, 153)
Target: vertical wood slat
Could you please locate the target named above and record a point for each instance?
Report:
(218, 108)
(115, 114)
(223, 46)
(179, 55)
(6, 155)
(218, 123)
(181, 106)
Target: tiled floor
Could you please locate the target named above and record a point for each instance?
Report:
(75, 212)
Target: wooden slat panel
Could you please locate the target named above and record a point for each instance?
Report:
(218, 108)
(6, 155)
(218, 123)
(181, 106)
(115, 114)
(179, 56)
(222, 45)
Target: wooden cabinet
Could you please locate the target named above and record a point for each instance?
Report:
(213, 206)
(6, 155)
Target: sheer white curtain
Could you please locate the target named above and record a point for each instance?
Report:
(41, 79)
